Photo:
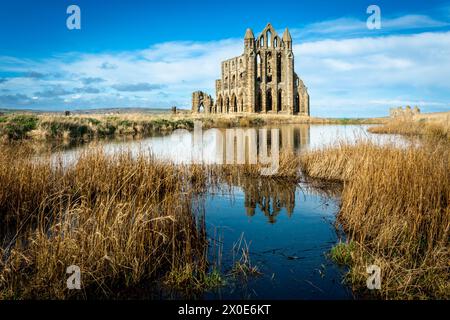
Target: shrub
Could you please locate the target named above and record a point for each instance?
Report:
(18, 126)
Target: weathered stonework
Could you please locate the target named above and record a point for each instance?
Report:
(261, 80)
(202, 102)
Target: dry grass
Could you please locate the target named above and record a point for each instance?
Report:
(395, 209)
(433, 128)
(123, 221)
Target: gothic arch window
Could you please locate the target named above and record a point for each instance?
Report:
(297, 103)
(275, 42)
(233, 82)
(269, 38)
(261, 41)
(279, 66)
(258, 66)
(201, 108)
(269, 67)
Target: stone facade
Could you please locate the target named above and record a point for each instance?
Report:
(202, 102)
(406, 112)
(261, 80)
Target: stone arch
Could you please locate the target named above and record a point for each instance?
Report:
(258, 66)
(233, 103)
(269, 38)
(276, 41)
(261, 41)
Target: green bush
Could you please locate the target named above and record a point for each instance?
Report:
(342, 253)
(18, 126)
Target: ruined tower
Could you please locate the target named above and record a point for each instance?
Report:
(262, 79)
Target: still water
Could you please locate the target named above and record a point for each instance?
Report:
(288, 226)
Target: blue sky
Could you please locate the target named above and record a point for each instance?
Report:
(155, 53)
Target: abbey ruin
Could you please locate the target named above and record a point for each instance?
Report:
(261, 80)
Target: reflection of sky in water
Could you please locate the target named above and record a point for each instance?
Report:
(179, 147)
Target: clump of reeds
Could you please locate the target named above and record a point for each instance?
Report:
(396, 211)
(124, 221)
(243, 266)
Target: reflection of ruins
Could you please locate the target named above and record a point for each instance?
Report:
(292, 138)
(270, 196)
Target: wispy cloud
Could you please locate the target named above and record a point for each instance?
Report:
(137, 87)
(352, 27)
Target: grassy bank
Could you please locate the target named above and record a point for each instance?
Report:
(86, 127)
(125, 222)
(396, 211)
(54, 127)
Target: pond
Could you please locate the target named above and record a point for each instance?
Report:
(287, 227)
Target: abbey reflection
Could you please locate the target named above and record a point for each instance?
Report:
(271, 196)
(291, 138)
